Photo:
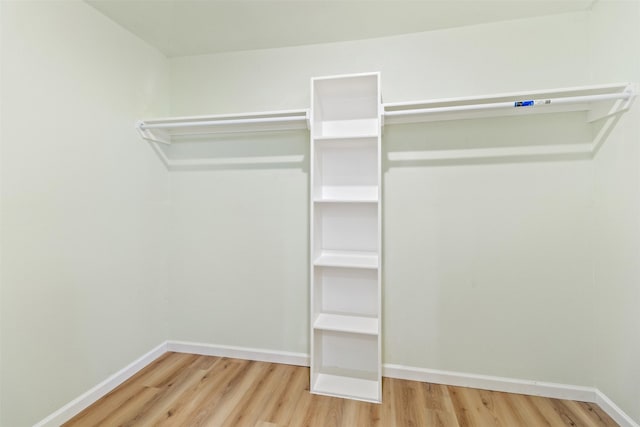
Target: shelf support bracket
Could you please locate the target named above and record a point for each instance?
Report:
(605, 110)
(149, 135)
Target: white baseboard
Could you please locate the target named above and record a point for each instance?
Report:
(485, 382)
(78, 404)
(258, 354)
(614, 410)
(512, 385)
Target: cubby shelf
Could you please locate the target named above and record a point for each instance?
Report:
(344, 193)
(346, 169)
(344, 323)
(354, 137)
(347, 386)
(347, 200)
(346, 128)
(350, 259)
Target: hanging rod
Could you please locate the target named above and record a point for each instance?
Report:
(512, 104)
(579, 99)
(164, 130)
(238, 122)
(587, 98)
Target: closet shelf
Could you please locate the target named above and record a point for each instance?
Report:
(347, 386)
(354, 137)
(166, 129)
(347, 193)
(346, 200)
(599, 101)
(344, 323)
(351, 259)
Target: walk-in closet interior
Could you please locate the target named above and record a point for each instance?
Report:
(437, 191)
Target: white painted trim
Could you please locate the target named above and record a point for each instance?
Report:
(614, 410)
(487, 382)
(512, 385)
(258, 354)
(81, 402)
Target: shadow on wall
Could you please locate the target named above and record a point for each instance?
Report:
(533, 138)
(265, 150)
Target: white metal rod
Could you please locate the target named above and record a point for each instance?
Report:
(512, 104)
(228, 131)
(144, 126)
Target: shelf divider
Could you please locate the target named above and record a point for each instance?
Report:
(345, 323)
(347, 386)
(351, 259)
(347, 194)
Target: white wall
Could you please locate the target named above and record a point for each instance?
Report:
(239, 243)
(510, 56)
(487, 263)
(615, 41)
(484, 259)
(84, 202)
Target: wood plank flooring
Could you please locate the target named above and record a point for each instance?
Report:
(190, 390)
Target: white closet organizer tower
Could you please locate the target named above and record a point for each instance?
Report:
(345, 239)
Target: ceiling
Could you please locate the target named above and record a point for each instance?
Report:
(194, 27)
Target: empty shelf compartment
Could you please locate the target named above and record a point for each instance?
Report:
(345, 169)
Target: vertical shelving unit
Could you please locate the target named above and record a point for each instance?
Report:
(346, 237)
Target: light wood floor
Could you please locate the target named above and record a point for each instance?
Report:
(190, 390)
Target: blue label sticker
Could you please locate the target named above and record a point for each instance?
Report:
(523, 103)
